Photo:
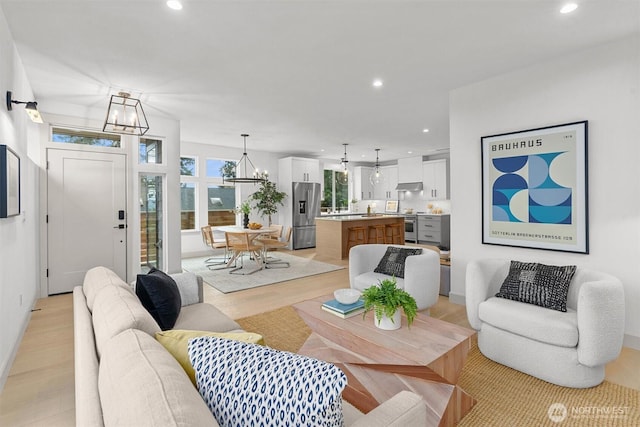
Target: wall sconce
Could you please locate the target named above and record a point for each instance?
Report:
(30, 107)
(125, 116)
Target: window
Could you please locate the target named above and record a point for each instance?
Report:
(336, 193)
(84, 137)
(217, 168)
(221, 201)
(188, 166)
(150, 151)
(188, 205)
(151, 222)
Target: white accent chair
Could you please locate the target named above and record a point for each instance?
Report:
(568, 349)
(421, 273)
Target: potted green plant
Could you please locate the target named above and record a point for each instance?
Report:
(267, 198)
(385, 299)
(245, 210)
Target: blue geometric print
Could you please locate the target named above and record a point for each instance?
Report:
(252, 385)
(548, 201)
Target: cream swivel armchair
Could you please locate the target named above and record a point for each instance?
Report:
(421, 272)
(570, 348)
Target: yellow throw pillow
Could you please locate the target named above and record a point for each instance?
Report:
(176, 342)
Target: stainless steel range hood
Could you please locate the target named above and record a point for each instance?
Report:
(409, 186)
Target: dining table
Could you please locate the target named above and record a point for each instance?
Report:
(253, 233)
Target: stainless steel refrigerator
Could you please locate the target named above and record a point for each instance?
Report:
(306, 207)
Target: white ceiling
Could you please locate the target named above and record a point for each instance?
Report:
(296, 75)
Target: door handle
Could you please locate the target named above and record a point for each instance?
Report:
(121, 226)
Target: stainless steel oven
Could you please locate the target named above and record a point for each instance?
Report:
(411, 228)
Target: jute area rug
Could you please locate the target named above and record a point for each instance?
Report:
(226, 283)
(505, 396)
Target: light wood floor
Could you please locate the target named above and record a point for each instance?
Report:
(40, 390)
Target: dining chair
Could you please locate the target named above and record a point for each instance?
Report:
(239, 244)
(271, 244)
(209, 239)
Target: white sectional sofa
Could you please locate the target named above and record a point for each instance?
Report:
(124, 377)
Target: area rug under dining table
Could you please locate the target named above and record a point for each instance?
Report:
(220, 278)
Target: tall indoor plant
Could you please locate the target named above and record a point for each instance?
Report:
(385, 299)
(267, 198)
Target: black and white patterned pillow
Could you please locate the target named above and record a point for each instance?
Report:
(247, 384)
(539, 284)
(392, 263)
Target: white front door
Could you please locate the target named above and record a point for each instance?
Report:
(86, 207)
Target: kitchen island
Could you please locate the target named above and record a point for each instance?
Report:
(332, 232)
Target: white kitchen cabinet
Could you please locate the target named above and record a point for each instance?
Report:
(387, 190)
(299, 169)
(410, 169)
(434, 174)
(362, 188)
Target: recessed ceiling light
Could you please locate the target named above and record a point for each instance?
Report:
(568, 8)
(174, 4)
(377, 83)
(425, 130)
(409, 152)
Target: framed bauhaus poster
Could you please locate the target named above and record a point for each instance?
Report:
(534, 188)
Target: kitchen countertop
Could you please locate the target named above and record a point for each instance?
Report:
(354, 217)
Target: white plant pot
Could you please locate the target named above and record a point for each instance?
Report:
(386, 323)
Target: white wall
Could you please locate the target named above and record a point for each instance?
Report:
(600, 85)
(191, 240)
(19, 242)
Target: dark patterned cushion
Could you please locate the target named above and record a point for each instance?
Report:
(160, 295)
(539, 284)
(392, 263)
(251, 385)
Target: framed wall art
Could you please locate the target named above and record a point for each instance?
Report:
(534, 188)
(9, 182)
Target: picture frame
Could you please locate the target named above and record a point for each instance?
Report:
(535, 188)
(9, 182)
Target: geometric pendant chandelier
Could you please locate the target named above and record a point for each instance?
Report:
(125, 116)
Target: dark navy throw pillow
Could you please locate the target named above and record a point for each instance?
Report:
(160, 295)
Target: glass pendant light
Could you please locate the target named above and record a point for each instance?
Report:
(342, 177)
(376, 177)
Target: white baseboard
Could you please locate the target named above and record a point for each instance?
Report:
(457, 298)
(8, 362)
(631, 342)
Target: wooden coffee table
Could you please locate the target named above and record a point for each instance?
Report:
(426, 359)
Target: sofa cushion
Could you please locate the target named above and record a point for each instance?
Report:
(539, 284)
(115, 310)
(531, 321)
(204, 317)
(176, 342)
(393, 260)
(160, 295)
(97, 278)
(142, 385)
(370, 278)
(188, 286)
(245, 384)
